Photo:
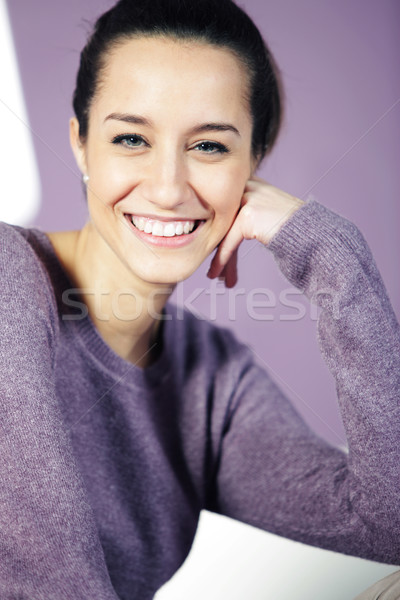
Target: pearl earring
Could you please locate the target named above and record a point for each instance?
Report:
(85, 178)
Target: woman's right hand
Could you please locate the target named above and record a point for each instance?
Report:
(264, 210)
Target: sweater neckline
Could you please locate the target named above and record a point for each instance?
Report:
(88, 336)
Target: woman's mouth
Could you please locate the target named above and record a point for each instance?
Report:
(163, 228)
(169, 233)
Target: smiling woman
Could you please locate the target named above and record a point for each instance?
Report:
(124, 421)
(157, 156)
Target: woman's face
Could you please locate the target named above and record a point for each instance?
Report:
(168, 154)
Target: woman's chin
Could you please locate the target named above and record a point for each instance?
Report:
(169, 275)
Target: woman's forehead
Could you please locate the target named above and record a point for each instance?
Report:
(171, 51)
(144, 71)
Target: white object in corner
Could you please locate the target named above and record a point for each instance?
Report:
(20, 183)
(235, 561)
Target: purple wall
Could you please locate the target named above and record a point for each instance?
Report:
(341, 142)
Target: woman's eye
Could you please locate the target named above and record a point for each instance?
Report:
(130, 141)
(211, 148)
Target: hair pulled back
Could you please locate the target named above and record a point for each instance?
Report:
(217, 22)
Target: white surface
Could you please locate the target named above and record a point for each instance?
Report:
(20, 187)
(235, 561)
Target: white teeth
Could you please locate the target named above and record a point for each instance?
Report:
(158, 229)
(163, 228)
(169, 230)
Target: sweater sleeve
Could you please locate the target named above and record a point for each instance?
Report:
(273, 472)
(49, 546)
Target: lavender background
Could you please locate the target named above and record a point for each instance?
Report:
(340, 142)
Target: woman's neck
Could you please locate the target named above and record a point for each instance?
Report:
(126, 311)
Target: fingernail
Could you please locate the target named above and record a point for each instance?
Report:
(209, 274)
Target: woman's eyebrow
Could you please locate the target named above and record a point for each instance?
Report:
(216, 127)
(127, 118)
(137, 120)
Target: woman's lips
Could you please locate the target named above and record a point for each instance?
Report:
(168, 233)
(163, 228)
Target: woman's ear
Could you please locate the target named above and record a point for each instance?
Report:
(78, 148)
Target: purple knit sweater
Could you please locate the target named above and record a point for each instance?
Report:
(104, 467)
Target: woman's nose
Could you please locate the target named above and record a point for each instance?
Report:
(165, 183)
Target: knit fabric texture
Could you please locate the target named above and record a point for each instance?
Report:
(104, 467)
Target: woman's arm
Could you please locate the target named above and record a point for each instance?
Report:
(290, 481)
(49, 546)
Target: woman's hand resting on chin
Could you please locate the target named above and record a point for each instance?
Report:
(264, 210)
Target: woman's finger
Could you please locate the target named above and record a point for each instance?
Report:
(226, 249)
(229, 272)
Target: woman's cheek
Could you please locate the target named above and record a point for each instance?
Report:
(231, 195)
(112, 184)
